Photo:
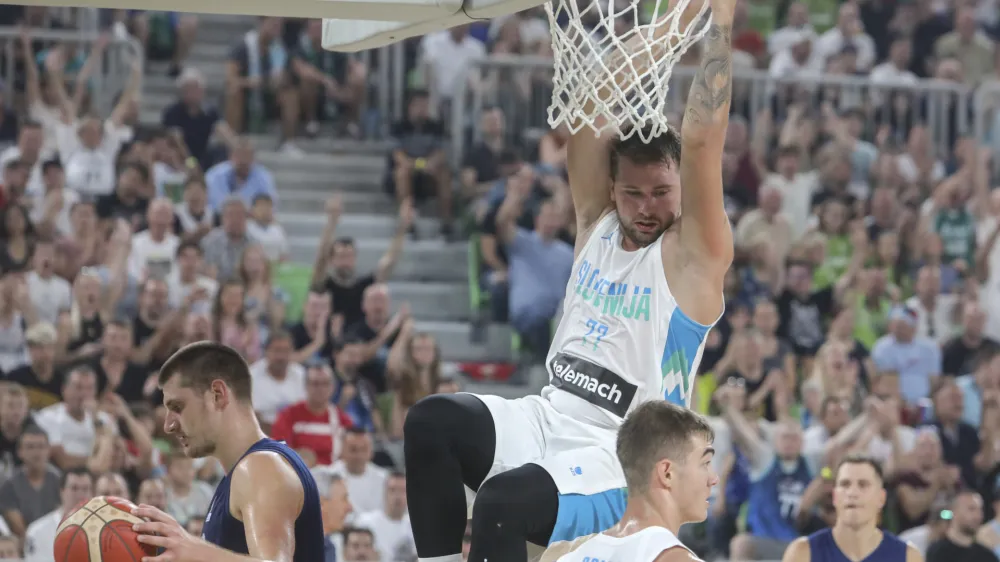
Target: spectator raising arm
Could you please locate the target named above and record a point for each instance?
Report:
(334, 208)
(510, 209)
(388, 261)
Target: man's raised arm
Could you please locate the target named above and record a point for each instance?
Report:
(705, 235)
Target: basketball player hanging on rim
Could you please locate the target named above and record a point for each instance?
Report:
(652, 248)
(267, 507)
(858, 497)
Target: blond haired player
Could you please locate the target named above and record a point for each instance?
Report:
(645, 289)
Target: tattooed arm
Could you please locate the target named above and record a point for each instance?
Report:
(705, 236)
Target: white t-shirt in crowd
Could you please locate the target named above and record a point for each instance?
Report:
(366, 491)
(49, 296)
(49, 117)
(40, 537)
(448, 60)
(77, 437)
(194, 504)
(833, 41)
(188, 221)
(168, 180)
(90, 171)
(270, 396)
(179, 291)
(908, 169)
(796, 199)
(152, 258)
(880, 449)
(62, 222)
(271, 237)
(393, 538)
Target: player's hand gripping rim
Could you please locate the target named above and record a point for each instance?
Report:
(164, 532)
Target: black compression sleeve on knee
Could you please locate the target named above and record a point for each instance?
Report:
(511, 509)
(449, 442)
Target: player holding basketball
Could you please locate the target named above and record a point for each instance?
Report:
(858, 497)
(645, 290)
(666, 454)
(267, 507)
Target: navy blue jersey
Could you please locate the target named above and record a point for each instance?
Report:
(222, 529)
(822, 548)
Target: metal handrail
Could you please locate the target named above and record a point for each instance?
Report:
(946, 107)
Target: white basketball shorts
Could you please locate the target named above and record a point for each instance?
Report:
(580, 458)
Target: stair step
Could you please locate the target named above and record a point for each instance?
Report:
(454, 340)
(373, 227)
(433, 301)
(423, 260)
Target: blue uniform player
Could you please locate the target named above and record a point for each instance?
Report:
(267, 507)
(858, 497)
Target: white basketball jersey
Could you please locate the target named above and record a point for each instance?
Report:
(643, 546)
(622, 339)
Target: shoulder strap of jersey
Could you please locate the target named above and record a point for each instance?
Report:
(604, 227)
(662, 539)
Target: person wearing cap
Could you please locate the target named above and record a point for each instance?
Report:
(197, 120)
(916, 359)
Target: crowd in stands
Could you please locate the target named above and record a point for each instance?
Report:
(862, 310)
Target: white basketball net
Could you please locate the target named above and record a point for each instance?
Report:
(615, 78)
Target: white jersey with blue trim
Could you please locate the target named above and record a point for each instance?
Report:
(622, 339)
(643, 546)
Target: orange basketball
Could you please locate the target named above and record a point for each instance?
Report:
(100, 530)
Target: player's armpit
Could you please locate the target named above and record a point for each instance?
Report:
(677, 554)
(913, 554)
(798, 551)
(267, 496)
(705, 234)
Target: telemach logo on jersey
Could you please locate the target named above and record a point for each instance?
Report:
(593, 383)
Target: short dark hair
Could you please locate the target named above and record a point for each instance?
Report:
(348, 531)
(355, 430)
(139, 168)
(276, 336)
(77, 471)
(82, 370)
(858, 458)
(31, 430)
(200, 363)
(663, 148)
(654, 431)
(188, 245)
(50, 164)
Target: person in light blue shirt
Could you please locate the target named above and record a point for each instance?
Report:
(916, 359)
(239, 176)
(986, 377)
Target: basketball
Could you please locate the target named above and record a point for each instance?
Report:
(100, 530)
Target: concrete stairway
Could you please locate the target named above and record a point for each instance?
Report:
(432, 275)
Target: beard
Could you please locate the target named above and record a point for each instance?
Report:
(641, 238)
